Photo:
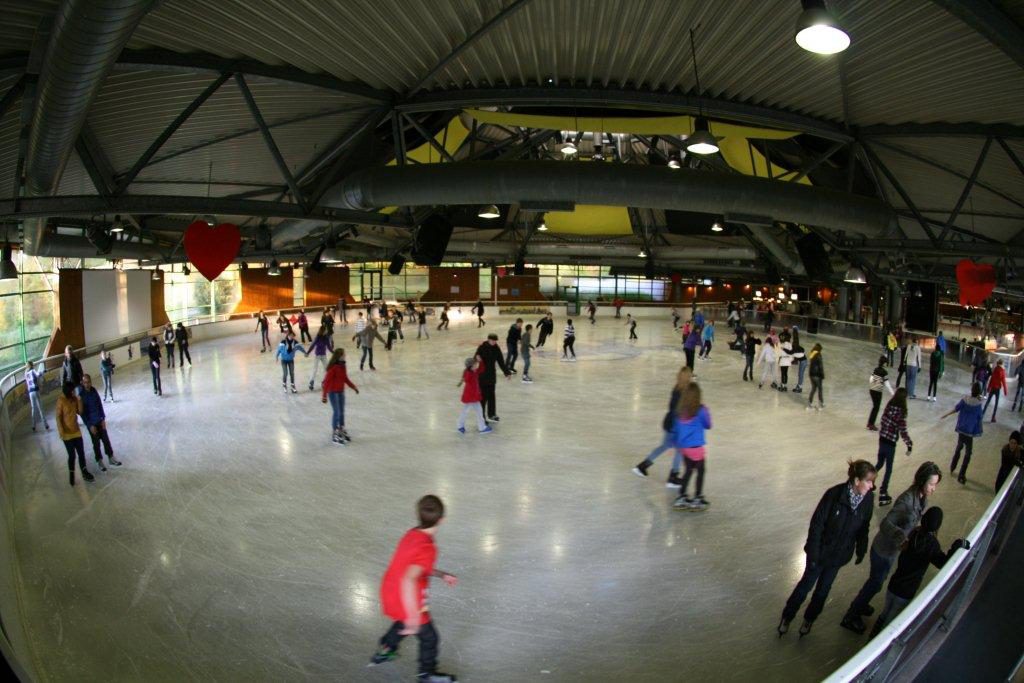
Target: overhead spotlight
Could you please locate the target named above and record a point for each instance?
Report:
(210, 220)
(568, 148)
(157, 274)
(275, 268)
(918, 294)
(117, 226)
(817, 30)
(642, 254)
(702, 141)
(185, 270)
(674, 161)
(490, 211)
(8, 271)
(855, 275)
(543, 227)
(717, 227)
(598, 152)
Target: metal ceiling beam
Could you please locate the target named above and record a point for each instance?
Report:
(946, 130)
(967, 188)
(816, 162)
(430, 138)
(282, 166)
(95, 161)
(472, 38)
(991, 23)
(173, 126)
(87, 205)
(197, 62)
(928, 249)
(538, 96)
(952, 171)
(342, 143)
(13, 93)
(1013, 157)
(899, 190)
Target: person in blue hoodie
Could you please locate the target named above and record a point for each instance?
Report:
(692, 420)
(968, 426)
(96, 422)
(286, 351)
(321, 346)
(707, 336)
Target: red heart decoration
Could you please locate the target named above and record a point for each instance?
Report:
(212, 249)
(977, 280)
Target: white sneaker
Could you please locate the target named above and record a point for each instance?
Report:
(809, 407)
(573, 359)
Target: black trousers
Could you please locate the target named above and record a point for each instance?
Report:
(963, 441)
(933, 382)
(429, 641)
(304, 334)
(632, 333)
(876, 401)
(183, 354)
(748, 368)
(818, 576)
(689, 357)
(816, 389)
(100, 437)
(784, 371)
(156, 377)
(899, 375)
(691, 467)
(170, 354)
(567, 346)
(75, 447)
(487, 401)
(541, 338)
(513, 354)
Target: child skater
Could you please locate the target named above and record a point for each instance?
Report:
(693, 418)
(568, 340)
(107, 373)
(286, 351)
(33, 381)
(922, 549)
(335, 380)
(524, 352)
(471, 396)
(403, 592)
(631, 324)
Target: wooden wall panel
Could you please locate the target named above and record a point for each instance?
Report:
(70, 323)
(526, 286)
(264, 292)
(158, 315)
(441, 281)
(324, 289)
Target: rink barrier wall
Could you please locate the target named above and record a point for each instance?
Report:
(928, 617)
(908, 641)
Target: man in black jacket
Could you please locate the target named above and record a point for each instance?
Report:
(71, 370)
(545, 326)
(515, 333)
(490, 355)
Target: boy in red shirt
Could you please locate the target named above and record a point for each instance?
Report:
(403, 592)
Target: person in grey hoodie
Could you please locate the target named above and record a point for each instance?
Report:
(892, 534)
(913, 366)
(365, 338)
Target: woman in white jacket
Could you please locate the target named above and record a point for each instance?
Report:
(785, 360)
(768, 357)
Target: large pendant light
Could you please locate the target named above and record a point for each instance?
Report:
(701, 141)
(490, 211)
(275, 268)
(817, 30)
(855, 276)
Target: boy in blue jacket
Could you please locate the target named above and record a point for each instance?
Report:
(286, 351)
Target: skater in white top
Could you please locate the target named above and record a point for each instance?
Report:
(568, 340)
(767, 360)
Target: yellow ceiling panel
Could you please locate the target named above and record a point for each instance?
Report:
(590, 220)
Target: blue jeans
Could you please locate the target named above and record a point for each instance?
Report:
(880, 567)
(912, 380)
(666, 443)
(800, 373)
(526, 366)
(886, 455)
(818, 576)
(337, 400)
(989, 400)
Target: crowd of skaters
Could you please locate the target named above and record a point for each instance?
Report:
(907, 538)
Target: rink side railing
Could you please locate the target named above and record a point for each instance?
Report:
(933, 613)
(929, 616)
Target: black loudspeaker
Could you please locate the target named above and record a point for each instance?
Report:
(922, 306)
(814, 257)
(397, 263)
(520, 267)
(432, 241)
(649, 269)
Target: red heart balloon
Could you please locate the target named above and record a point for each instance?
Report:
(212, 249)
(977, 280)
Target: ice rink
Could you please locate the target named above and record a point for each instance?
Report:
(237, 543)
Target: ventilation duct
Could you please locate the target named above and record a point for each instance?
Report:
(475, 183)
(86, 39)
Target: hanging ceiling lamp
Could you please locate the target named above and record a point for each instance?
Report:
(642, 254)
(817, 30)
(543, 227)
(157, 274)
(701, 141)
(8, 271)
(117, 225)
(855, 275)
(717, 227)
(490, 211)
(674, 161)
(275, 268)
(568, 148)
